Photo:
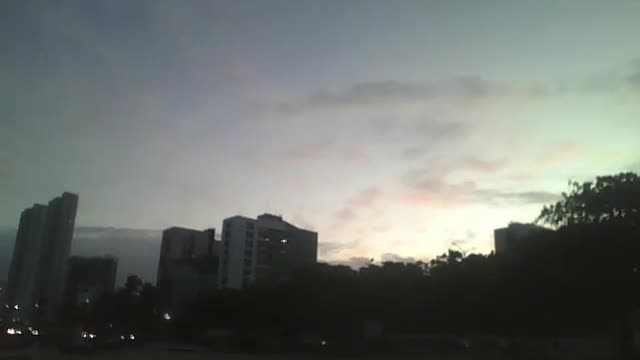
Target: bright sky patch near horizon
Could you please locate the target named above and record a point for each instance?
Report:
(393, 128)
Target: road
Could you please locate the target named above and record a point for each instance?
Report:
(583, 349)
(166, 354)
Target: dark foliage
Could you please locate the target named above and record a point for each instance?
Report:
(581, 278)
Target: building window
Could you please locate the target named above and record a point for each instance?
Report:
(284, 241)
(248, 253)
(251, 225)
(250, 234)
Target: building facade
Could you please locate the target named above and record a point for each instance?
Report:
(264, 251)
(509, 238)
(90, 277)
(188, 263)
(37, 276)
(22, 288)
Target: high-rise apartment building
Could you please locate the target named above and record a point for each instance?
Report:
(509, 238)
(38, 272)
(188, 263)
(263, 251)
(22, 287)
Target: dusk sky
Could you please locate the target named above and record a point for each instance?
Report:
(390, 127)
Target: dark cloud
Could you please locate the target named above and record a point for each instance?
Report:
(386, 257)
(328, 249)
(432, 177)
(429, 186)
(385, 93)
(137, 250)
(432, 134)
(355, 262)
(344, 215)
(525, 197)
(372, 93)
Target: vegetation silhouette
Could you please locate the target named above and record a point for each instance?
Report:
(580, 279)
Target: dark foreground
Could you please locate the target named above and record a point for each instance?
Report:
(577, 348)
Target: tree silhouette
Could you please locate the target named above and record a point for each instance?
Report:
(610, 199)
(605, 216)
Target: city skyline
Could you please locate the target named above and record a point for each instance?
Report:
(402, 138)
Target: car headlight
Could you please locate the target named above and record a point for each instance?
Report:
(11, 331)
(84, 334)
(35, 332)
(92, 336)
(132, 337)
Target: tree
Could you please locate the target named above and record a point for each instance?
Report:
(605, 217)
(133, 285)
(610, 199)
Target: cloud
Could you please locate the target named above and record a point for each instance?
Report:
(557, 156)
(355, 262)
(331, 250)
(433, 133)
(345, 214)
(137, 250)
(431, 188)
(432, 176)
(391, 257)
(366, 197)
(364, 95)
(525, 197)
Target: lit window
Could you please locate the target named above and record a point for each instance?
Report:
(284, 241)
(267, 239)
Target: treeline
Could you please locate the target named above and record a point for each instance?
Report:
(583, 277)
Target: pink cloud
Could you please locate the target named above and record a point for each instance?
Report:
(558, 156)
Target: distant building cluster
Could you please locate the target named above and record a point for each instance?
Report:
(252, 252)
(263, 252)
(90, 277)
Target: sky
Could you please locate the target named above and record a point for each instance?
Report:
(396, 129)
